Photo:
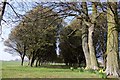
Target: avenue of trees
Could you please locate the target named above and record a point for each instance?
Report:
(38, 42)
(92, 34)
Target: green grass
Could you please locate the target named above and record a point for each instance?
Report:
(14, 70)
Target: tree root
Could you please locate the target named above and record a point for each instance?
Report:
(109, 72)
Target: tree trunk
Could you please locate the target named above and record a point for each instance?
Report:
(29, 61)
(2, 10)
(93, 59)
(22, 60)
(36, 63)
(85, 46)
(39, 63)
(24, 53)
(112, 64)
(85, 37)
(32, 59)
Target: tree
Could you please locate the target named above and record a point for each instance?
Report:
(70, 45)
(14, 42)
(85, 37)
(91, 23)
(36, 34)
(93, 59)
(43, 34)
(70, 9)
(112, 64)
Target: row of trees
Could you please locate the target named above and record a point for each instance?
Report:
(72, 35)
(35, 34)
(34, 38)
(90, 21)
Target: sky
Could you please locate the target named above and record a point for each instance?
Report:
(6, 29)
(4, 55)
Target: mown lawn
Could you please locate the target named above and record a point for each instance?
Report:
(14, 70)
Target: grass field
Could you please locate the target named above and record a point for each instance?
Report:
(14, 70)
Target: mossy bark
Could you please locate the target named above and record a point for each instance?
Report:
(112, 64)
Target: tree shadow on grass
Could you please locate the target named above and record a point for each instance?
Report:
(55, 66)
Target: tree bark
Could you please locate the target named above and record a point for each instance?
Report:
(112, 64)
(32, 60)
(85, 37)
(30, 57)
(93, 59)
(24, 53)
(2, 10)
(37, 60)
(22, 59)
(85, 47)
(92, 25)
